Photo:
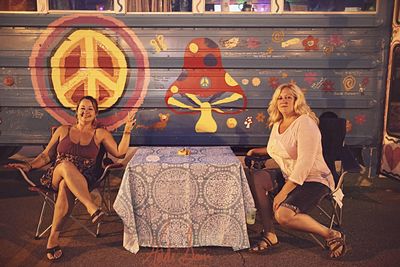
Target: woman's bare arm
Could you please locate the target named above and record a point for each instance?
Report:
(261, 151)
(43, 158)
(111, 146)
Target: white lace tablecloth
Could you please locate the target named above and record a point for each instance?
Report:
(168, 200)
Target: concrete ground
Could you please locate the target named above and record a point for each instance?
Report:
(371, 222)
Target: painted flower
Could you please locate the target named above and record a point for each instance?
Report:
(310, 77)
(260, 117)
(8, 81)
(310, 43)
(269, 51)
(365, 82)
(335, 40)
(360, 119)
(328, 50)
(253, 43)
(273, 82)
(327, 86)
(278, 36)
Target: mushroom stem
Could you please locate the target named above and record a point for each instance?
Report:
(206, 123)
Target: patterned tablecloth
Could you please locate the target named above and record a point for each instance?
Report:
(168, 200)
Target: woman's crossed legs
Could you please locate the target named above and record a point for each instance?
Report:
(69, 183)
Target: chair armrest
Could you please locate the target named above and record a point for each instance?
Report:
(109, 164)
(26, 177)
(34, 187)
(114, 166)
(257, 162)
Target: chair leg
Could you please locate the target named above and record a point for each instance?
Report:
(84, 226)
(323, 246)
(340, 217)
(50, 202)
(105, 194)
(337, 216)
(98, 229)
(109, 194)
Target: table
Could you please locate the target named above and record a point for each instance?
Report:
(169, 200)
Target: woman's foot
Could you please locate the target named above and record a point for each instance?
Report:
(53, 250)
(54, 253)
(336, 244)
(265, 244)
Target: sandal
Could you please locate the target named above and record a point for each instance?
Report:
(97, 216)
(338, 242)
(52, 251)
(265, 244)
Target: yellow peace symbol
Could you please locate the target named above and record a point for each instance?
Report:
(88, 63)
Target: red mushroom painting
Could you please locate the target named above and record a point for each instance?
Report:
(204, 86)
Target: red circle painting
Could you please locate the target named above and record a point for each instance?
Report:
(78, 55)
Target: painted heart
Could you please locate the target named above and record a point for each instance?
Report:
(392, 156)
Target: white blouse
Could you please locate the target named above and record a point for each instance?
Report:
(298, 152)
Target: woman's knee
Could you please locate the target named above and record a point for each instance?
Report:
(63, 199)
(65, 167)
(284, 215)
(263, 179)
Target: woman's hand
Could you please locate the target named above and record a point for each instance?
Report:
(250, 152)
(130, 122)
(260, 151)
(280, 197)
(25, 166)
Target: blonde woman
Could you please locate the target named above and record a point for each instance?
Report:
(73, 171)
(295, 145)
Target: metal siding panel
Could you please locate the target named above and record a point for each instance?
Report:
(362, 56)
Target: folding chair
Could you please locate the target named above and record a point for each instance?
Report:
(333, 132)
(103, 166)
(334, 149)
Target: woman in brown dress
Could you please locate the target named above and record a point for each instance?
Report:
(73, 171)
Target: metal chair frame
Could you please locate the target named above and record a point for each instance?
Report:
(335, 216)
(49, 198)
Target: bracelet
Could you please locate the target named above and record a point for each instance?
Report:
(126, 132)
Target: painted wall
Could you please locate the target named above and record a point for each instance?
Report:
(207, 81)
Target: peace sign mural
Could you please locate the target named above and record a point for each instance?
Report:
(67, 65)
(104, 73)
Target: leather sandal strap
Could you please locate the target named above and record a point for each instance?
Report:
(53, 249)
(334, 240)
(339, 245)
(337, 242)
(267, 241)
(96, 213)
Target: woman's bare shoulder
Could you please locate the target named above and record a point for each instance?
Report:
(62, 129)
(102, 132)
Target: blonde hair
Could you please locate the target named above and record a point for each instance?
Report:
(300, 104)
